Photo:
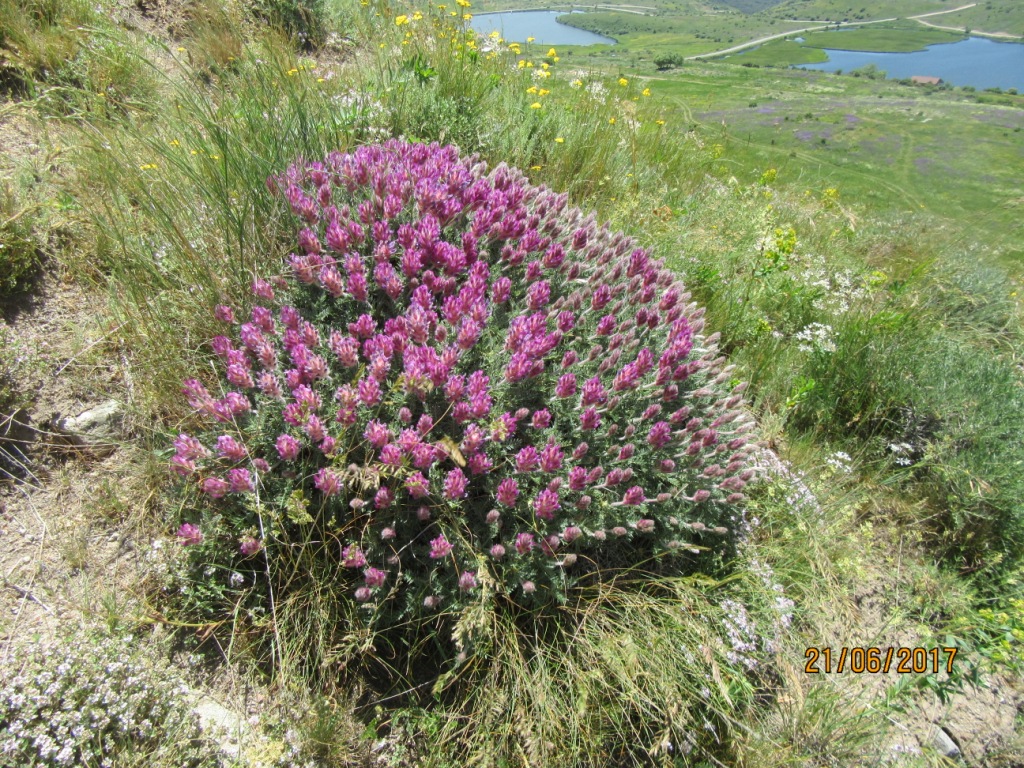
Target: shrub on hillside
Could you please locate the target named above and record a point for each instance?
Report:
(468, 387)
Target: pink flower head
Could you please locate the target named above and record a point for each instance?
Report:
(383, 498)
(327, 482)
(508, 492)
(551, 457)
(249, 546)
(538, 295)
(645, 525)
(571, 533)
(183, 466)
(215, 487)
(455, 484)
(577, 478)
(369, 391)
(374, 577)
(634, 496)
(529, 587)
(660, 435)
(189, 534)
(541, 419)
(527, 459)
(440, 548)
(467, 580)
(497, 551)
(262, 289)
(377, 434)
(189, 447)
(590, 419)
(593, 392)
(224, 313)
(524, 543)
(288, 447)
(240, 480)
(546, 504)
(364, 594)
(566, 386)
(352, 557)
(417, 485)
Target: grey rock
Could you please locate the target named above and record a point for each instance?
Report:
(943, 743)
(100, 425)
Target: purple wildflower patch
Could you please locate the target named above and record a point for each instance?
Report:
(448, 341)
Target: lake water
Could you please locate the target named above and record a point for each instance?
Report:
(543, 25)
(975, 61)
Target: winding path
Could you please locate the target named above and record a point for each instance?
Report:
(821, 26)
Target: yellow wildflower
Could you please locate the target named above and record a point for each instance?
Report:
(646, 92)
(174, 143)
(555, 59)
(417, 16)
(543, 73)
(495, 35)
(148, 166)
(659, 122)
(536, 167)
(559, 140)
(611, 121)
(515, 48)
(292, 72)
(552, 52)
(467, 17)
(623, 82)
(543, 92)
(521, 64)
(453, 13)
(442, 7)
(545, 66)
(532, 89)
(463, 3)
(577, 83)
(535, 105)
(530, 39)
(181, 49)
(400, 20)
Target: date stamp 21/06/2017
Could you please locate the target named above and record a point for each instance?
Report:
(860, 660)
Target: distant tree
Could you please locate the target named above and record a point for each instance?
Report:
(668, 60)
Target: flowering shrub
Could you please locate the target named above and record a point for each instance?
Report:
(84, 701)
(472, 385)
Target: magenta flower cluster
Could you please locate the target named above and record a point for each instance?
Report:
(478, 375)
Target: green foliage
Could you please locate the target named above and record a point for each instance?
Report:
(72, 60)
(305, 22)
(669, 61)
(20, 248)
